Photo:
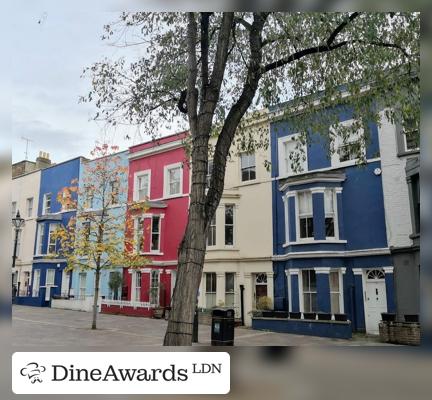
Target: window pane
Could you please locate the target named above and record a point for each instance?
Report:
(328, 201)
(314, 306)
(229, 235)
(229, 282)
(306, 302)
(229, 214)
(310, 227)
(305, 203)
(334, 281)
(312, 280)
(305, 279)
(334, 300)
(329, 227)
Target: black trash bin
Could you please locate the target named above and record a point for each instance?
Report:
(222, 327)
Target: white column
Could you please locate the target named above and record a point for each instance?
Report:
(288, 277)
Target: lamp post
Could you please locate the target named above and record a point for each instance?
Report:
(18, 223)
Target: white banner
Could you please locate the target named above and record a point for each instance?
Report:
(121, 373)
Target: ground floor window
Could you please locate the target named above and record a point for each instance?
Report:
(154, 287)
(137, 286)
(50, 276)
(82, 285)
(36, 282)
(210, 289)
(229, 289)
(309, 290)
(335, 292)
(260, 290)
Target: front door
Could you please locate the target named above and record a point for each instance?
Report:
(260, 288)
(375, 299)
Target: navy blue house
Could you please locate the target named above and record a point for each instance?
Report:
(49, 277)
(330, 247)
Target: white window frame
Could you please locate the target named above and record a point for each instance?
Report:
(158, 250)
(55, 225)
(233, 224)
(167, 169)
(137, 176)
(282, 156)
(254, 166)
(46, 209)
(335, 158)
(297, 211)
(14, 209)
(138, 234)
(29, 207)
(407, 150)
(301, 292)
(154, 272)
(89, 197)
(231, 292)
(36, 282)
(335, 215)
(341, 297)
(82, 289)
(137, 285)
(207, 292)
(50, 272)
(40, 238)
(212, 232)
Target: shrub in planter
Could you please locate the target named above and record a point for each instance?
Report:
(295, 315)
(264, 303)
(309, 315)
(388, 317)
(341, 317)
(411, 318)
(322, 316)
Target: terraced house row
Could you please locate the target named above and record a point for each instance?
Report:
(329, 237)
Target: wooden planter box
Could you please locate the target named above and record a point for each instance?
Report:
(400, 332)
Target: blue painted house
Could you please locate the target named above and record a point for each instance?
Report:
(331, 255)
(49, 277)
(89, 201)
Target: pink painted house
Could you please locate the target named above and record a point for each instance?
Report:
(159, 175)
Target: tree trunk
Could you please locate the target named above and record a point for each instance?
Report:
(96, 298)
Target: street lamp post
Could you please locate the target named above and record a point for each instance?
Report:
(18, 223)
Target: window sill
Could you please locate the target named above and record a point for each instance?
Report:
(151, 253)
(405, 153)
(225, 248)
(249, 183)
(173, 196)
(330, 241)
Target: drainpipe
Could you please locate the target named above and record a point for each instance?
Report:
(242, 304)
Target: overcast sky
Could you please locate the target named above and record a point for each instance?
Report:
(50, 48)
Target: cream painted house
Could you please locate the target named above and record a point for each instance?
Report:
(25, 199)
(239, 244)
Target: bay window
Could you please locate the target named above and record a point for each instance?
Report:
(139, 235)
(335, 292)
(137, 285)
(154, 287)
(210, 289)
(155, 234)
(211, 235)
(229, 289)
(229, 224)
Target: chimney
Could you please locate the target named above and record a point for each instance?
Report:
(43, 160)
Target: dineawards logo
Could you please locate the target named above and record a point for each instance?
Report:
(121, 373)
(33, 371)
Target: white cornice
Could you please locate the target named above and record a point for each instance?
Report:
(156, 149)
(326, 254)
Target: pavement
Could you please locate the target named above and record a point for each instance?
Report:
(39, 329)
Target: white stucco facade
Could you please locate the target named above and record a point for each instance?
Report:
(24, 188)
(249, 257)
(395, 188)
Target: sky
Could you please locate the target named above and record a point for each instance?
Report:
(49, 49)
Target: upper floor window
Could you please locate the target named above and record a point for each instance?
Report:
(142, 186)
(155, 233)
(415, 188)
(139, 235)
(115, 190)
(248, 170)
(411, 136)
(29, 207)
(305, 215)
(46, 207)
(329, 209)
(89, 193)
(52, 241)
(40, 238)
(67, 202)
(292, 156)
(14, 209)
(173, 180)
(209, 172)
(211, 235)
(349, 145)
(229, 224)
(86, 230)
